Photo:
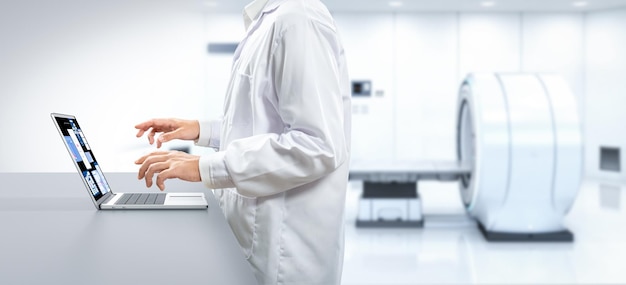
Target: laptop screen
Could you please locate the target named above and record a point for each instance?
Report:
(82, 154)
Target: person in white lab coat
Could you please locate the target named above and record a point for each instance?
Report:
(281, 169)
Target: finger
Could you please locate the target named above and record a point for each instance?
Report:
(164, 137)
(143, 127)
(168, 136)
(151, 136)
(149, 161)
(146, 125)
(140, 133)
(159, 142)
(164, 175)
(154, 153)
(142, 159)
(155, 168)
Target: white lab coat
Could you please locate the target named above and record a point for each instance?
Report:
(284, 145)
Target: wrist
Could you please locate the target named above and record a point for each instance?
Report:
(196, 129)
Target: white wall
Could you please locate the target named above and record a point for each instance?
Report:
(369, 44)
(227, 28)
(136, 60)
(427, 83)
(605, 92)
(553, 42)
(112, 63)
(430, 54)
(489, 43)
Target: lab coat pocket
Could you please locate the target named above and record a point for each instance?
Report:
(240, 212)
(238, 111)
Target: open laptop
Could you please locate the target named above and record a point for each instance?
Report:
(97, 186)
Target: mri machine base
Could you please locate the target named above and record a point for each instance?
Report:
(389, 224)
(561, 236)
(390, 205)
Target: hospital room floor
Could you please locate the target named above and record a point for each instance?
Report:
(451, 250)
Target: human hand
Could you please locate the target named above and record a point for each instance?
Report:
(168, 164)
(170, 129)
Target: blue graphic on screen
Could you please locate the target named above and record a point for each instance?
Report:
(89, 157)
(77, 132)
(100, 181)
(75, 153)
(91, 183)
(82, 139)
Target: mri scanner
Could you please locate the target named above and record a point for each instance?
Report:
(519, 162)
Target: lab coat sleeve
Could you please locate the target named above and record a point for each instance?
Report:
(213, 172)
(305, 75)
(209, 134)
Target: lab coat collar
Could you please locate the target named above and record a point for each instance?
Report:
(253, 11)
(253, 16)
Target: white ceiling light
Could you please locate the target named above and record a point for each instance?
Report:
(579, 3)
(488, 3)
(395, 4)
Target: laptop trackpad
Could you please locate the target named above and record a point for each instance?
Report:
(184, 199)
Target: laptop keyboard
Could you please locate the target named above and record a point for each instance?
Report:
(141, 199)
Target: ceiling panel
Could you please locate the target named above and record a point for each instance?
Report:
(235, 6)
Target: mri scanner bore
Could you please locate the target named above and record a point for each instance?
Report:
(519, 164)
(521, 133)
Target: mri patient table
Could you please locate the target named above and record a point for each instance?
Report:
(390, 197)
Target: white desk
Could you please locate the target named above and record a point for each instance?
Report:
(51, 233)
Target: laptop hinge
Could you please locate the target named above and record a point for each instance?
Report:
(111, 196)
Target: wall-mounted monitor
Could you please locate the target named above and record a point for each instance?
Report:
(362, 88)
(222, 48)
(610, 159)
